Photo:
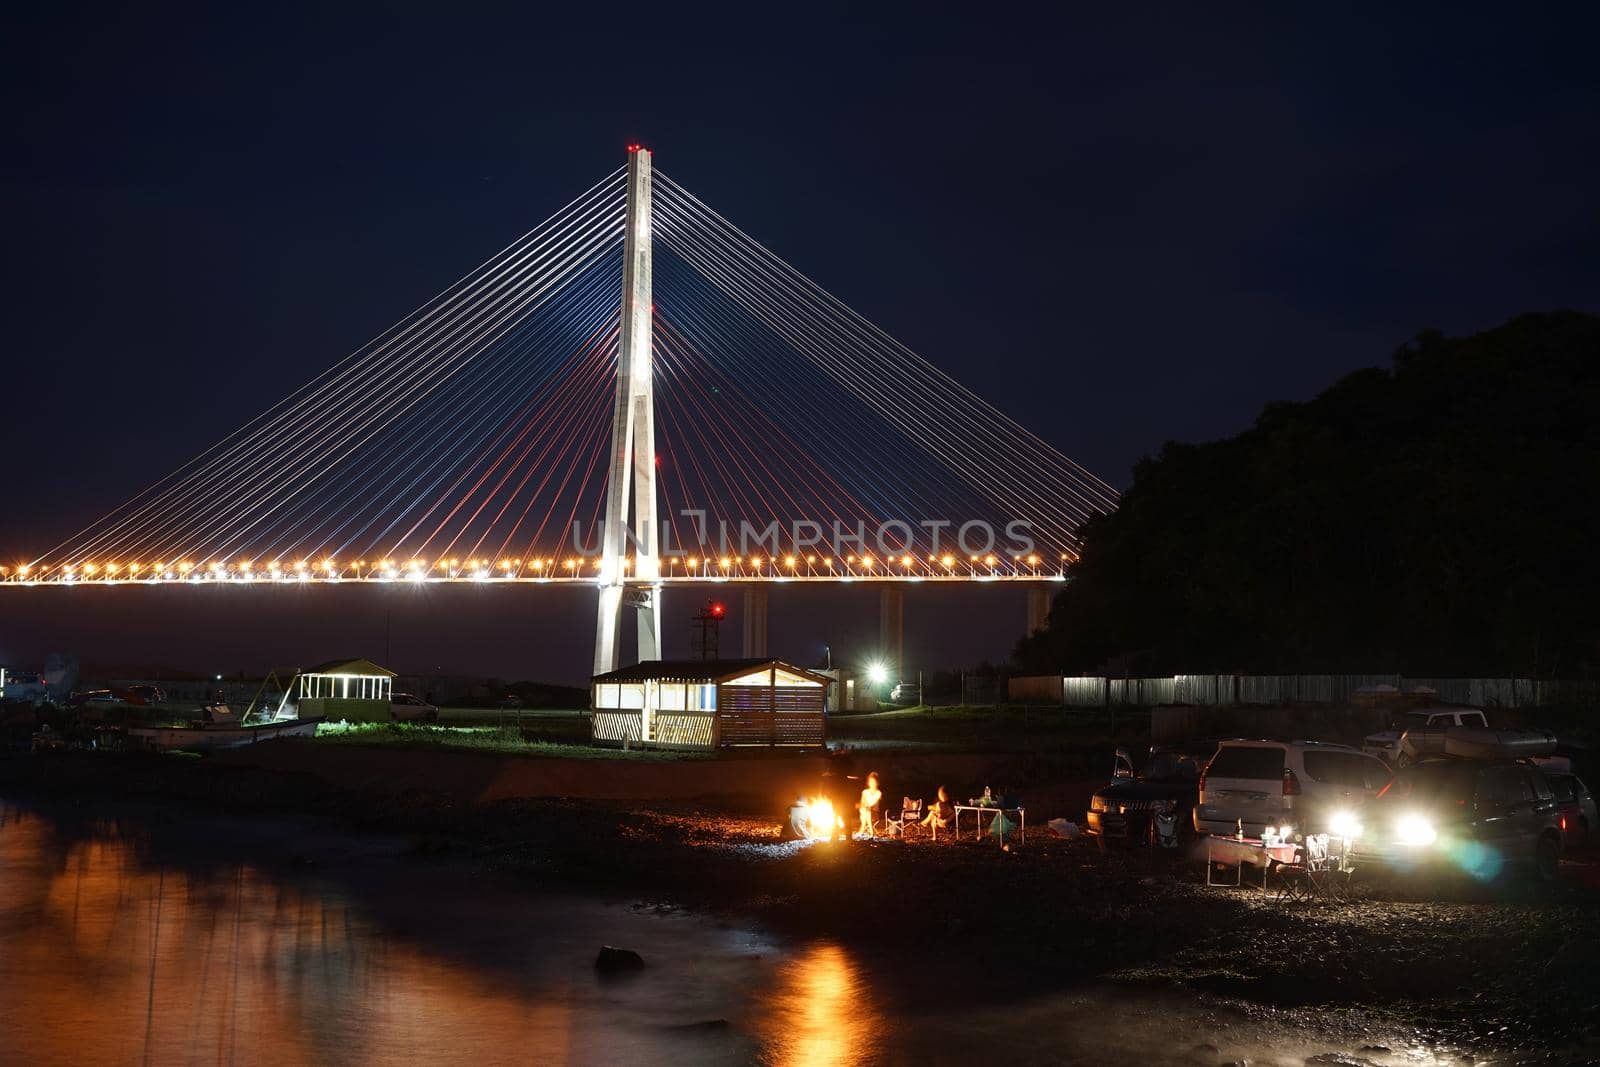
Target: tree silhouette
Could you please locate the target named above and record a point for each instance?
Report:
(1439, 517)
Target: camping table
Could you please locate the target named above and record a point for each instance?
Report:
(977, 817)
(1235, 852)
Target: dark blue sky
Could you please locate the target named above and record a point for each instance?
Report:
(1122, 228)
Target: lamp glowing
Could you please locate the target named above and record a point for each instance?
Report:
(1344, 824)
(1415, 830)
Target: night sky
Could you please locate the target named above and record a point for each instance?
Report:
(1122, 228)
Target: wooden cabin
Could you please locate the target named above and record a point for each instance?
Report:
(708, 704)
(355, 690)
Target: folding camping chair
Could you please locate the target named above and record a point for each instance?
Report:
(1319, 872)
(910, 815)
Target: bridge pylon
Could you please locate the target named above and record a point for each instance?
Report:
(633, 447)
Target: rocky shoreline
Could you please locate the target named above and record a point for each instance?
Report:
(1501, 971)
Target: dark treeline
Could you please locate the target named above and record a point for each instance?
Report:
(1437, 518)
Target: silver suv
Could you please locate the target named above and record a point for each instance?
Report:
(1304, 784)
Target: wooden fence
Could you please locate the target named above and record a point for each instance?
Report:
(1227, 690)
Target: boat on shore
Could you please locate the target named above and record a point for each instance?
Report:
(219, 728)
(1476, 742)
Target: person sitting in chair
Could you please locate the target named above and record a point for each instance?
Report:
(940, 813)
(871, 797)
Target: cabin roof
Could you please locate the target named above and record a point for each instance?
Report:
(700, 670)
(351, 666)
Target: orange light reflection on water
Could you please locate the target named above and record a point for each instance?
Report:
(110, 961)
(822, 1012)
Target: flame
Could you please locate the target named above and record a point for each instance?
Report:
(820, 820)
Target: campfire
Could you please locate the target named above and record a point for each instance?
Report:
(819, 820)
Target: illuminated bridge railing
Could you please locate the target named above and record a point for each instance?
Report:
(787, 569)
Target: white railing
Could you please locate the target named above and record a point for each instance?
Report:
(684, 729)
(618, 726)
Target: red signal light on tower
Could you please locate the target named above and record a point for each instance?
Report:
(718, 610)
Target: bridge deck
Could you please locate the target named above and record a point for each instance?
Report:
(588, 580)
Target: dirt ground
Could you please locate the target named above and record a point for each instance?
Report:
(1507, 969)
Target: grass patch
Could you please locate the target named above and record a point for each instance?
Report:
(564, 726)
(555, 738)
(997, 728)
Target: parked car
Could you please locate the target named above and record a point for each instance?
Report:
(1472, 816)
(1577, 807)
(906, 693)
(1304, 784)
(1124, 810)
(93, 696)
(404, 707)
(1385, 744)
(148, 694)
(25, 687)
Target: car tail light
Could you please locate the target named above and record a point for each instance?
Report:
(1291, 784)
(1563, 824)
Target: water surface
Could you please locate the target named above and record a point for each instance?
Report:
(162, 936)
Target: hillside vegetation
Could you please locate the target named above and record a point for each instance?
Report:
(1436, 517)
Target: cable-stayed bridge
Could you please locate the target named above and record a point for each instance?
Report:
(634, 395)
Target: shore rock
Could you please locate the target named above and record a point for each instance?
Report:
(612, 960)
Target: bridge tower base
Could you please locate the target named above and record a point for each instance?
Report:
(755, 622)
(1038, 608)
(892, 628)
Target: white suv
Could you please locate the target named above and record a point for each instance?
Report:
(1386, 743)
(404, 707)
(1303, 784)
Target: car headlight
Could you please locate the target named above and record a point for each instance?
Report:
(1344, 824)
(1415, 830)
(1097, 803)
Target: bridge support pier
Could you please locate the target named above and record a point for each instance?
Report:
(608, 628)
(892, 628)
(755, 621)
(633, 446)
(1038, 608)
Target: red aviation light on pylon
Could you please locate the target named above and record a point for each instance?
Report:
(718, 610)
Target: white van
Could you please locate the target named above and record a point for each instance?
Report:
(1304, 784)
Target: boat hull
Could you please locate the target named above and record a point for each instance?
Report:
(1476, 742)
(164, 738)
